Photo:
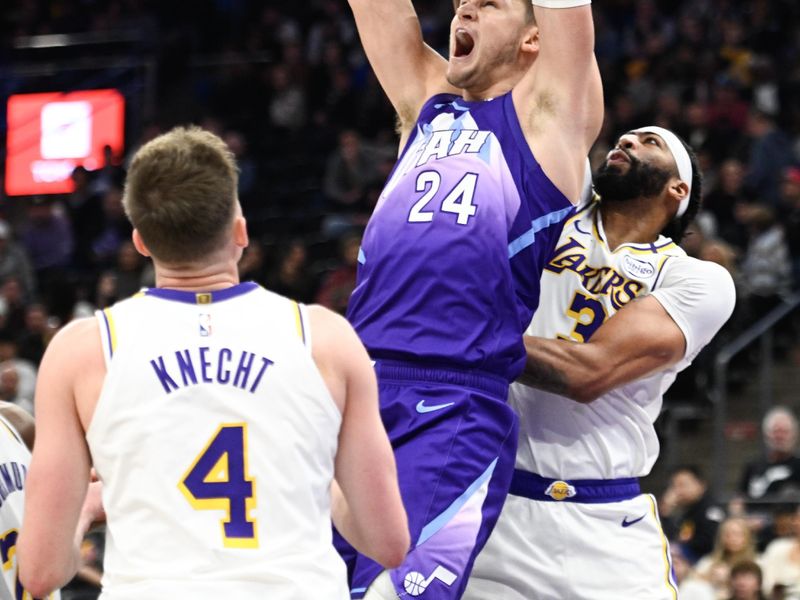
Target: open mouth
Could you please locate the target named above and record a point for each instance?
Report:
(464, 43)
(618, 156)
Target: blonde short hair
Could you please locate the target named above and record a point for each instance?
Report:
(180, 194)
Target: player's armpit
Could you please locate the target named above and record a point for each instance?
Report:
(638, 340)
(560, 100)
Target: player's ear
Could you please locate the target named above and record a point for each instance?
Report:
(240, 236)
(677, 191)
(139, 244)
(530, 41)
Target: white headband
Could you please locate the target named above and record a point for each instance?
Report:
(681, 157)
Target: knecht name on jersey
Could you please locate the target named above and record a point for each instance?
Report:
(206, 365)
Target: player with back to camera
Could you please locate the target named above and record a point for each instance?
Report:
(16, 439)
(623, 310)
(493, 153)
(215, 412)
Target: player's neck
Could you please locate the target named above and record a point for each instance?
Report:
(495, 89)
(196, 279)
(629, 223)
(478, 94)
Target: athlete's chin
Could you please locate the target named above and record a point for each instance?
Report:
(458, 76)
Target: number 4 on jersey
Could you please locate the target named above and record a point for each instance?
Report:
(218, 480)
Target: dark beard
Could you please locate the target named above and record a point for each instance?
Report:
(641, 181)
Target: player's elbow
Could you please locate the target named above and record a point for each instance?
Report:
(37, 580)
(594, 384)
(585, 395)
(393, 551)
(38, 573)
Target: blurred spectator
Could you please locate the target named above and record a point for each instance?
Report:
(690, 586)
(127, 273)
(746, 581)
(85, 211)
(766, 266)
(48, 235)
(734, 544)
(777, 521)
(9, 387)
(689, 514)
(334, 293)
(48, 239)
(781, 563)
(770, 154)
(15, 302)
(727, 112)
(39, 329)
(287, 108)
(290, 276)
(778, 472)
(351, 170)
(723, 199)
(248, 174)
(115, 229)
(790, 208)
(14, 262)
(252, 265)
(109, 175)
(25, 369)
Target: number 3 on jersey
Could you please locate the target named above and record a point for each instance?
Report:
(588, 313)
(457, 202)
(218, 480)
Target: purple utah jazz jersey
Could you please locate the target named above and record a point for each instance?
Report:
(451, 259)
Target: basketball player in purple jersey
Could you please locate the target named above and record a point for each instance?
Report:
(493, 152)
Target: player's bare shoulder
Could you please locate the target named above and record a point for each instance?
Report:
(75, 355)
(76, 342)
(337, 351)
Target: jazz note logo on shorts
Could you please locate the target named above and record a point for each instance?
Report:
(415, 583)
(560, 490)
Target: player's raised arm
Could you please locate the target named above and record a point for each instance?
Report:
(408, 69)
(560, 100)
(367, 508)
(644, 336)
(48, 547)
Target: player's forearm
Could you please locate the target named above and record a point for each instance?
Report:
(557, 367)
(566, 27)
(379, 529)
(567, 65)
(408, 70)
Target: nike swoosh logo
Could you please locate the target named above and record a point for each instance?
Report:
(626, 523)
(422, 409)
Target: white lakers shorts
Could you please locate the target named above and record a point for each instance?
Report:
(568, 550)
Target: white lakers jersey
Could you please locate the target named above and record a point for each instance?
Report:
(215, 438)
(585, 283)
(15, 459)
